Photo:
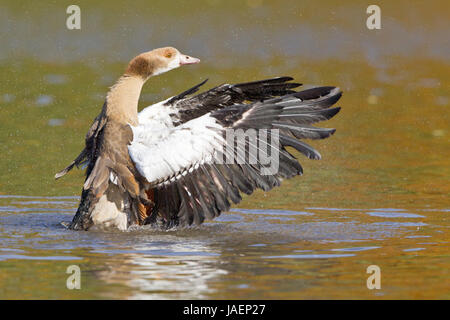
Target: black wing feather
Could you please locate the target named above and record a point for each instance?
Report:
(227, 95)
(204, 192)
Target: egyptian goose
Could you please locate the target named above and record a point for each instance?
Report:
(173, 163)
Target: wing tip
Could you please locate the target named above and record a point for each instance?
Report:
(59, 175)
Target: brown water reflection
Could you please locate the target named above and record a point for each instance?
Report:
(391, 150)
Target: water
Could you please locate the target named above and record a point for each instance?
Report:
(314, 253)
(379, 196)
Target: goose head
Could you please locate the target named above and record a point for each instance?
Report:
(158, 61)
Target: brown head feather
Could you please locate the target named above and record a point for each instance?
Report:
(146, 64)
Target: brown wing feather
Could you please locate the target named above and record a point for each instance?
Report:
(112, 166)
(87, 155)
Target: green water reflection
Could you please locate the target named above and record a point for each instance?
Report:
(391, 148)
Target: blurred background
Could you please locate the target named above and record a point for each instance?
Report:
(392, 135)
(392, 144)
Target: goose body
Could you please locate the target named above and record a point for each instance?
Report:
(174, 163)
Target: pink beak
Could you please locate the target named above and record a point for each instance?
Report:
(188, 60)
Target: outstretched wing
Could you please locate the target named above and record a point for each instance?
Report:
(195, 170)
(88, 154)
(184, 107)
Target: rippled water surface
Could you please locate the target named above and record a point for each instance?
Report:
(314, 253)
(379, 196)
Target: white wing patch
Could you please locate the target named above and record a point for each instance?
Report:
(157, 116)
(161, 151)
